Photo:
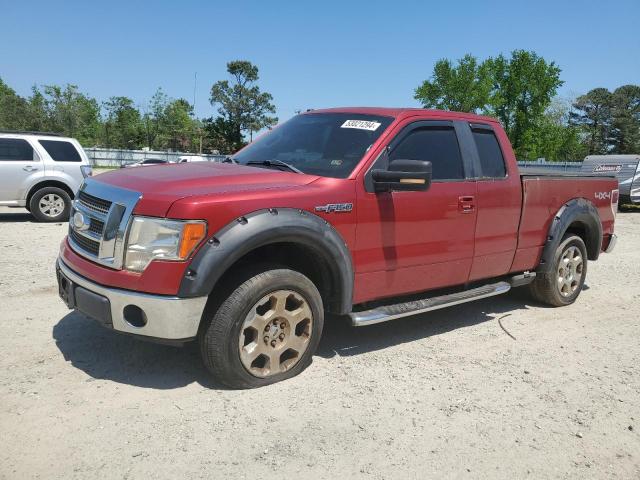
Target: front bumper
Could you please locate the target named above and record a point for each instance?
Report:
(154, 316)
(612, 243)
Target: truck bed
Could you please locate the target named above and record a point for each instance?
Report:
(544, 193)
(549, 172)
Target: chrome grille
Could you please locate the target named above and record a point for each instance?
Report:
(86, 243)
(98, 222)
(96, 226)
(94, 203)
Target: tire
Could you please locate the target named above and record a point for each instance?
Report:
(50, 204)
(253, 339)
(563, 284)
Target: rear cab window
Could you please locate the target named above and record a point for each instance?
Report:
(16, 150)
(491, 158)
(61, 150)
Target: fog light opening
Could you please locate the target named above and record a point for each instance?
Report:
(134, 316)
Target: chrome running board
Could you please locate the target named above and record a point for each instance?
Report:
(399, 310)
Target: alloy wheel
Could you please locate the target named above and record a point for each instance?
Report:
(276, 333)
(570, 271)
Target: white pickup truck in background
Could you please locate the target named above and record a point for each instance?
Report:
(41, 172)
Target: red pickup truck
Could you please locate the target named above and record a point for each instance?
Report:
(369, 213)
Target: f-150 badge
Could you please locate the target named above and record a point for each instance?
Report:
(335, 207)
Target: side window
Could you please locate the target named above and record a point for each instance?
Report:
(491, 160)
(61, 151)
(15, 150)
(438, 145)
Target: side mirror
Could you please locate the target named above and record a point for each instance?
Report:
(403, 175)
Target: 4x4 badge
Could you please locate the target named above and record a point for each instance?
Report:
(335, 207)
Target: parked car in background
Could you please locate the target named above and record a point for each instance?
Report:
(146, 162)
(191, 158)
(625, 167)
(41, 172)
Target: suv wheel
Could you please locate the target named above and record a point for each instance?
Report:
(562, 285)
(265, 331)
(50, 204)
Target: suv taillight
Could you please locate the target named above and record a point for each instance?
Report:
(86, 170)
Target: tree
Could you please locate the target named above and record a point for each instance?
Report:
(13, 109)
(241, 103)
(123, 125)
(72, 113)
(178, 126)
(625, 122)
(593, 116)
(221, 135)
(154, 117)
(553, 137)
(464, 87)
(523, 87)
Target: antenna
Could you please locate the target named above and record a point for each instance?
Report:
(195, 82)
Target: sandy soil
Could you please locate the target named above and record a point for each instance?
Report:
(444, 395)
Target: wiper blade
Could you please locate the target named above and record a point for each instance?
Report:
(229, 159)
(276, 163)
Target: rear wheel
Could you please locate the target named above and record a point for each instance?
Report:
(562, 285)
(50, 204)
(265, 331)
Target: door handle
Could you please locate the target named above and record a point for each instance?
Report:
(466, 204)
(29, 168)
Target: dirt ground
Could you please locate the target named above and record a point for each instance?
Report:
(443, 395)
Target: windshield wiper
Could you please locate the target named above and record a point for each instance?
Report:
(275, 163)
(229, 159)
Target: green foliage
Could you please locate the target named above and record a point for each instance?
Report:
(518, 90)
(609, 122)
(523, 87)
(553, 138)
(14, 110)
(625, 122)
(222, 135)
(464, 87)
(242, 106)
(123, 126)
(71, 113)
(593, 116)
(166, 124)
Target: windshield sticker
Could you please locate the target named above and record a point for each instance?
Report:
(361, 125)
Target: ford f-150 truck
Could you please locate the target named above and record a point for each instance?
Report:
(368, 213)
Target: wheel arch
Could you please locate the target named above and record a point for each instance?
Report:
(286, 237)
(580, 217)
(49, 183)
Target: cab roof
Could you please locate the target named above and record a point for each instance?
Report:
(400, 113)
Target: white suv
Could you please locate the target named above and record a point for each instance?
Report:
(41, 172)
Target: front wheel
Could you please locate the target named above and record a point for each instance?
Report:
(50, 204)
(265, 331)
(562, 285)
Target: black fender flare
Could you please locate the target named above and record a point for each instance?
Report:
(264, 227)
(577, 210)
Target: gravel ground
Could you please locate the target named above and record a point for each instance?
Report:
(444, 395)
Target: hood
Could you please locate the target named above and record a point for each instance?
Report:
(162, 185)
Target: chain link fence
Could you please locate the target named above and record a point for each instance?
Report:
(111, 157)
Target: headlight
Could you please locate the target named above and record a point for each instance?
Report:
(157, 238)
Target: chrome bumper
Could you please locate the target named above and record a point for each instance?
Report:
(169, 318)
(612, 243)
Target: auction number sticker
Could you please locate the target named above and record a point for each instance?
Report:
(361, 125)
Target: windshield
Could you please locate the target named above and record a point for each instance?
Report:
(325, 144)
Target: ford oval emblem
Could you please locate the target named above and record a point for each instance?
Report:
(80, 222)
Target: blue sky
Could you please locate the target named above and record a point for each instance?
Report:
(310, 54)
